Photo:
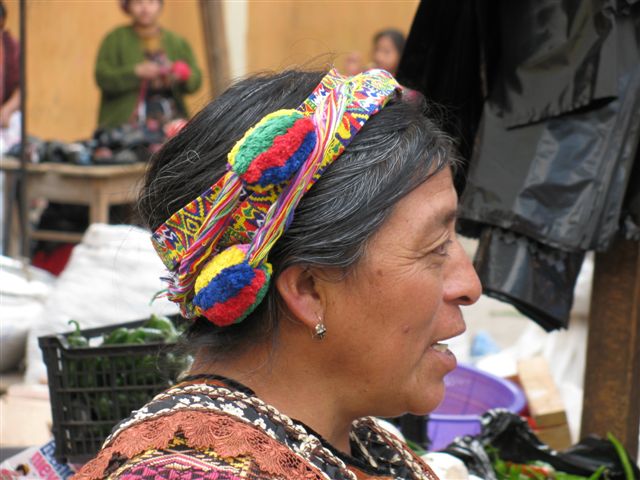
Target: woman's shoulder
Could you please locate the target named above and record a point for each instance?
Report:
(370, 440)
(191, 428)
(120, 33)
(202, 442)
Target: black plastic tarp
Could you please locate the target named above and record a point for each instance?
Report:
(511, 438)
(562, 181)
(544, 98)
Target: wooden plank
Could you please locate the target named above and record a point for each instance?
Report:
(558, 437)
(216, 41)
(61, 189)
(67, 169)
(612, 378)
(57, 236)
(119, 190)
(81, 190)
(9, 163)
(23, 207)
(544, 400)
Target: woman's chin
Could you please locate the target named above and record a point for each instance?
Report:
(427, 401)
(428, 392)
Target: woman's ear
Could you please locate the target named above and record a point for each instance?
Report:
(297, 287)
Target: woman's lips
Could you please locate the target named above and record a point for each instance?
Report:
(446, 356)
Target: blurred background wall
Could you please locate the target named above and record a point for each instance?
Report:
(287, 33)
(64, 35)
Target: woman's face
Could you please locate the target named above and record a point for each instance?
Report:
(145, 13)
(385, 318)
(386, 55)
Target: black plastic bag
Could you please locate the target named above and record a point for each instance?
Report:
(536, 279)
(631, 207)
(561, 182)
(515, 442)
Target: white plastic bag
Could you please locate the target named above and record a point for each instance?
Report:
(111, 278)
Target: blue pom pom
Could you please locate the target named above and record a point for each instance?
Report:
(277, 175)
(227, 284)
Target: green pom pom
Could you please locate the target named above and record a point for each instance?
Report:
(260, 138)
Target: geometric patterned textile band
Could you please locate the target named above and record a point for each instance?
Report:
(216, 248)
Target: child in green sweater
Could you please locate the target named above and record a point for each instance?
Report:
(143, 70)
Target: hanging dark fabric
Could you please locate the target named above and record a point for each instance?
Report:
(549, 91)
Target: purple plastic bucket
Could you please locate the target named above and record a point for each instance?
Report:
(470, 393)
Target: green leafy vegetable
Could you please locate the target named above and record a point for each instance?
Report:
(75, 338)
(624, 459)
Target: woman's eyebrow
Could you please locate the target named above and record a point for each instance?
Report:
(442, 219)
(448, 216)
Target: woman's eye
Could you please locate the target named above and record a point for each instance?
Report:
(443, 249)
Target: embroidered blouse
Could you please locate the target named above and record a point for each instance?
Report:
(211, 428)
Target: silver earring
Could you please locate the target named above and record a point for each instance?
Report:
(320, 330)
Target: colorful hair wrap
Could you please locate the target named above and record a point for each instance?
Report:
(216, 248)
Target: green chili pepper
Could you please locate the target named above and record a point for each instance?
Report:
(75, 338)
(162, 323)
(145, 335)
(117, 336)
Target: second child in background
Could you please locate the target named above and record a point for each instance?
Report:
(388, 45)
(387, 49)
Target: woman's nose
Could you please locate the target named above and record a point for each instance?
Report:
(462, 285)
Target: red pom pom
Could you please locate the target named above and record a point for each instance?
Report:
(181, 70)
(283, 147)
(227, 313)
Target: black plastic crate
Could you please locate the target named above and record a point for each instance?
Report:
(92, 389)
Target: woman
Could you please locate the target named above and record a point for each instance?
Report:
(328, 316)
(144, 70)
(9, 86)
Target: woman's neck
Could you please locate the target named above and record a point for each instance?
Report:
(292, 388)
(146, 31)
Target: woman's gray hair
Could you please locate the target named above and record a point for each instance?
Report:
(396, 150)
(355, 195)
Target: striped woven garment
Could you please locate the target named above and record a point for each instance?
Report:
(216, 247)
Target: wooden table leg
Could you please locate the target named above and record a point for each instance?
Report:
(11, 212)
(612, 377)
(99, 206)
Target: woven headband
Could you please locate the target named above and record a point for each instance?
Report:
(217, 246)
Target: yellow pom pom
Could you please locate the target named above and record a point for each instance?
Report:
(233, 255)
